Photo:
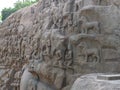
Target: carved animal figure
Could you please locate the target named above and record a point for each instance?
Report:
(89, 52)
(93, 52)
(86, 26)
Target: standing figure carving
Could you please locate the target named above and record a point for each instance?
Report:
(68, 58)
(59, 51)
(46, 48)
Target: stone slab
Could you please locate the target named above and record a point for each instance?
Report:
(90, 82)
(109, 77)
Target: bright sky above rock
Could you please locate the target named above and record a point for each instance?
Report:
(6, 3)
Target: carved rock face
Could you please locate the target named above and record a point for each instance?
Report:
(64, 39)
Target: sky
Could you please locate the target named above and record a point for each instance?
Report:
(6, 3)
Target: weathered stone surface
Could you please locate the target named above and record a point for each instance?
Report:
(51, 43)
(90, 82)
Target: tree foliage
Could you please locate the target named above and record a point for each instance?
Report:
(6, 12)
(24, 3)
(18, 5)
(0, 18)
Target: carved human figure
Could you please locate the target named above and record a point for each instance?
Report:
(59, 23)
(17, 76)
(22, 47)
(34, 52)
(58, 61)
(70, 18)
(59, 51)
(69, 6)
(47, 48)
(68, 58)
(44, 51)
(79, 4)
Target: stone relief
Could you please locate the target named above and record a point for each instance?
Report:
(62, 40)
(91, 55)
(87, 26)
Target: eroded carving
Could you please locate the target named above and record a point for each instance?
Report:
(91, 55)
(87, 26)
(62, 39)
(69, 58)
